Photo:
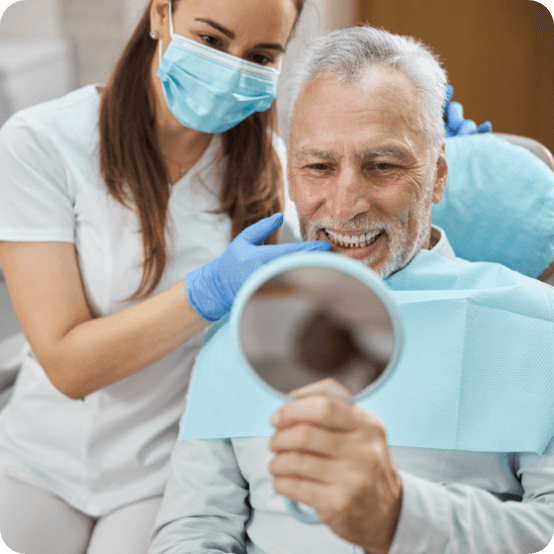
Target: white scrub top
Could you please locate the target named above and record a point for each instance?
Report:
(113, 447)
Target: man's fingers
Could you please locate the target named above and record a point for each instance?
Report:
(304, 466)
(324, 410)
(326, 499)
(307, 492)
(308, 438)
(325, 386)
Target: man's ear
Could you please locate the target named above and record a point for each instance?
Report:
(441, 175)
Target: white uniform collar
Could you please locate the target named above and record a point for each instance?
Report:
(441, 244)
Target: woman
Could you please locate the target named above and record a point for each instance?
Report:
(111, 197)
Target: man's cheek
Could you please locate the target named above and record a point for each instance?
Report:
(394, 200)
(307, 197)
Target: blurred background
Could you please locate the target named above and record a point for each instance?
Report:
(499, 54)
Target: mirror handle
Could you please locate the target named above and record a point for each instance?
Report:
(305, 515)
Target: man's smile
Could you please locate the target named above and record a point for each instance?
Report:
(356, 244)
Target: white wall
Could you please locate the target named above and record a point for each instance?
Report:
(96, 29)
(133, 12)
(36, 62)
(31, 19)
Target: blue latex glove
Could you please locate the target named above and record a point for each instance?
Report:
(212, 287)
(454, 120)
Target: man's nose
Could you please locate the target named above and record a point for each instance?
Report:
(351, 195)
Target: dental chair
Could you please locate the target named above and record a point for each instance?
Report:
(544, 154)
(498, 206)
(532, 145)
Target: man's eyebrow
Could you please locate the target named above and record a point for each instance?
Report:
(369, 153)
(232, 36)
(306, 152)
(385, 151)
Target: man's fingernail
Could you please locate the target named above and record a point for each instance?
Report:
(275, 419)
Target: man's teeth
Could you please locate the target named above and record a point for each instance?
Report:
(353, 241)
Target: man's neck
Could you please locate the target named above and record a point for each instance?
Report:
(435, 237)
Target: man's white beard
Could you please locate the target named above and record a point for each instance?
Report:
(400, 248)
(407, 252)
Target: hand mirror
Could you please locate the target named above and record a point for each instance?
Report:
(305, 318)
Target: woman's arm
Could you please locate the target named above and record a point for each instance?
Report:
(79, 354)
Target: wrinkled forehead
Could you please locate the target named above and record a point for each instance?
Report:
(376, 109)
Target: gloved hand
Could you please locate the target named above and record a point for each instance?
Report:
(212, 287)
(454, 120)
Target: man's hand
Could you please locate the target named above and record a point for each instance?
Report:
(334, 457)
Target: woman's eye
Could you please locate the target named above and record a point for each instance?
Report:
(261, 59)
(214, 42)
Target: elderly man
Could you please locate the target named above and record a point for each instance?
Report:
(366, 163)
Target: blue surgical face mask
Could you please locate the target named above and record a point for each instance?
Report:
(211, 91)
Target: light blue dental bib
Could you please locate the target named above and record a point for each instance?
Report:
(476, 370)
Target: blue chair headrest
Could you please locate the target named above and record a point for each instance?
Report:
(498, 205)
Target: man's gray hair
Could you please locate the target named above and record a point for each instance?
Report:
(347, 53)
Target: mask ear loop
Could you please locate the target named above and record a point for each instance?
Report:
(171, 34)
(170, 20)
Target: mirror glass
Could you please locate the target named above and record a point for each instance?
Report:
(311, 323)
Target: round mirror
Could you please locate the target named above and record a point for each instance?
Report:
(302, 319)
(310, 323)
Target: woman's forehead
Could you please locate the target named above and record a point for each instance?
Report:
(256, 20)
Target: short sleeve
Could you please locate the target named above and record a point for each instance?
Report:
(35, 201)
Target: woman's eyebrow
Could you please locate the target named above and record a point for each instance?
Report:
(271, 46)
(232, 36)
(218, 27)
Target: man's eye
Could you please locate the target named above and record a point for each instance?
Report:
(319, 167)
(383, 166)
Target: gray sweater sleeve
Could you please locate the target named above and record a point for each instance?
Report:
(204, 509)
(451, 518)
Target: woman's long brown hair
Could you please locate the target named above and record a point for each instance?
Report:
(135, 173)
